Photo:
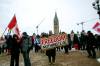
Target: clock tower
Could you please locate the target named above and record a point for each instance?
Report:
(56, 24)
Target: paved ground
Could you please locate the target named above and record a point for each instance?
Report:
(74, 58)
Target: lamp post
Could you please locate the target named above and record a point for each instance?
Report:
(96, 6)
(82, 23)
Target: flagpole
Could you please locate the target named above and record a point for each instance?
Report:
(4, 31)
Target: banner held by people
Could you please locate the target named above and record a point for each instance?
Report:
(53, 41)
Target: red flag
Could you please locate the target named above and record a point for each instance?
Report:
(96, 27)
(12, 23)
(13, 26)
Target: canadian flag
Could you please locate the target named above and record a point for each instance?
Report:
(13, 26)
(96, 27)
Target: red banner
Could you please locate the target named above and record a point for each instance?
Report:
(53, 41)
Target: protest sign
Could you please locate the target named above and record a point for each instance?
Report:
(53, 41)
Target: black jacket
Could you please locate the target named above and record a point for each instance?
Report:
(51, 52)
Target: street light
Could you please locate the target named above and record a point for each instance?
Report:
(96, 6)
(81, 24)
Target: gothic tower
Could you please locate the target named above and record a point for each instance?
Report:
(56, 24)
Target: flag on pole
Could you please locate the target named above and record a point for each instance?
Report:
(96, 27)
(13, 26)
(12, 23)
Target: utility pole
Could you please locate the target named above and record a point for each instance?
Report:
(96, 6)
(82, 23)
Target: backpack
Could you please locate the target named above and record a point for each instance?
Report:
(26, 44)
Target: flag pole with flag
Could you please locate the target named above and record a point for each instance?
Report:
(96, 27)
(13, 27)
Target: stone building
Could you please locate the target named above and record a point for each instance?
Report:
(56, 24)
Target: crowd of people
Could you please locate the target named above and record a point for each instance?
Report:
(85, 41)
(15, 45)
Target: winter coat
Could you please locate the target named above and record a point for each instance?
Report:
(15, 46)
(91, 41)
(26, 44)
(51, 52)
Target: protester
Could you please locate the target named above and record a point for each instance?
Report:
(33, 39)
(25, 48)
(0, 46)
(36, 43)
(51, 53)
(67, 44)
(73, 40)
(0, 49)
(83, 40)
(91, 45)
(9, 43)
(15, 51)
(79, 40)
(97, 37)
(98, 42)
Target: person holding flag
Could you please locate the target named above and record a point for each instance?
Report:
(15, 51)
(13, 41)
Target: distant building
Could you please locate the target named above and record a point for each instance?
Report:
(56, 24)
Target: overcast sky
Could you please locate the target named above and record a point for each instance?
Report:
(30, 13)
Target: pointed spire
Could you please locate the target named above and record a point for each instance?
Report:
(56, 24)
(55, 14)
(55, 18)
